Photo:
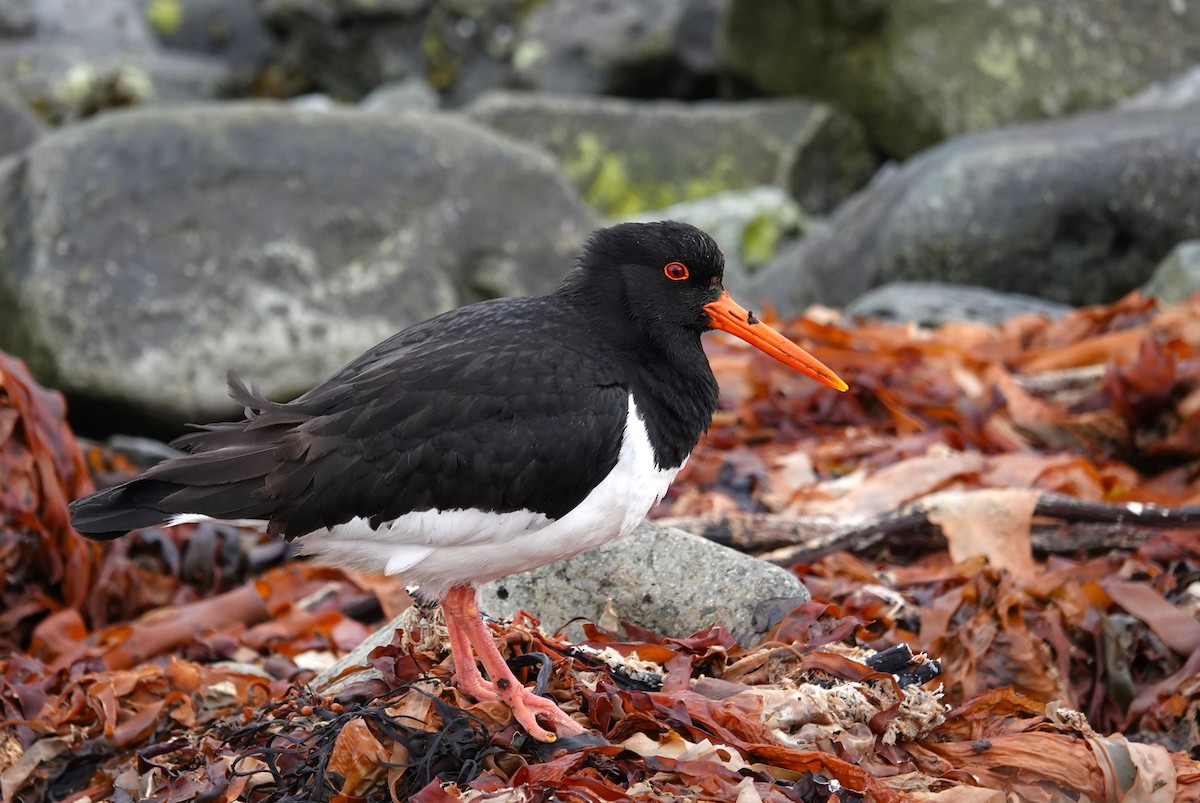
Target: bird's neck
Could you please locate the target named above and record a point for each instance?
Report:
(667, 371)
(676, 395)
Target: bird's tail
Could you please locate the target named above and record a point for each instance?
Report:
(113, 512)
(222, 477)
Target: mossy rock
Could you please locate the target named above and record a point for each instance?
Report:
(1178, 277)
(1077, 211)
(164, 16)
(232, 30)
(147, 252)
(630, 156)
(918, 71)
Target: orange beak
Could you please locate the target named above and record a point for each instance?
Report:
(728, 316)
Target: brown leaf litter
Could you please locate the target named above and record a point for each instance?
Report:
(173, 664)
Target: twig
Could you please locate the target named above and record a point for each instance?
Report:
(1091, 527)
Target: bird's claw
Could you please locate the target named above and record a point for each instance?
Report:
(525, 704)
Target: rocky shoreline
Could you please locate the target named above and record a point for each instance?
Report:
(271, 187)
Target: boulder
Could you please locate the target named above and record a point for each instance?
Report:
(919, 71)
(66, 81)
(464, 48)
(312, 102)
(398, 97)
(17, 18)
(19, 126)
(345, 48)
(1178, 276)
(629, 156)
(634, 48)
(230, 30)
(461, 48)
(935, 303)
(1177, 92)
(1078, 211)
(468, 46)
(80, 57)
(148, 252)
(118, 23)
(668, 581)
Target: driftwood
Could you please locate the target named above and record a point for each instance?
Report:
(1080, 527)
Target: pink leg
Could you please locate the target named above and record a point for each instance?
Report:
(470, 682)
(467, 631)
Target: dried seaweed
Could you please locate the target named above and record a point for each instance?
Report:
(989, 641)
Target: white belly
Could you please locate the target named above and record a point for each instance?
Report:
(437, 549)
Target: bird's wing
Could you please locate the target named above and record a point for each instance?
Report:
(504, 409)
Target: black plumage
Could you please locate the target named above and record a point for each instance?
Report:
(512, 404)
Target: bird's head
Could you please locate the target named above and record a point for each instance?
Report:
(668, 283)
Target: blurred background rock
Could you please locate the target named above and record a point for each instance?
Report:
(272, 186)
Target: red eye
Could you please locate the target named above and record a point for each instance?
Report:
(676, 271)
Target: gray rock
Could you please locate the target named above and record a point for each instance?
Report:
(67, 81)
(1078, 211)
(149, 251)
(749, 225)
(118, 23)
(345, 48)
(19, 127)
(84, 56)
(182, 78)
(312, 102)
(629, 156)
(399, 97)
(668, 581)
(231, 30)
(1177, 92)
(326, 11)
(918, 71)
(17, 18)
(636, 48)
(468, 46)
(935, 303)
(461, 48)
(1178, 276)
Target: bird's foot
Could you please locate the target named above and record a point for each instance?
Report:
(468, 631)
(525, 703)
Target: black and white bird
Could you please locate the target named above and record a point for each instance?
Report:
(486, 441)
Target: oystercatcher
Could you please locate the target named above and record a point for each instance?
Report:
(486, 441)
